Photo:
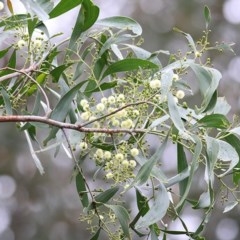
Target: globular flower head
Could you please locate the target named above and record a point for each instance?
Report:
(100, 107)
(135, 113)
(1, 6)
(175, 77)
(134, 152)
(104, 100)
(115, 122)
(109, 175)
(84, 102)
(132, 163)
(127, 123)
(21, 44)
(155, 84)
(83, 145)
(119, 157)
(37, 43)
(111, 100)
(120, 98)
(107, 155)
(125, 163)
(85, 116)
(180, 94)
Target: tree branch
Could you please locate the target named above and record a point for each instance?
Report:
(63, 125)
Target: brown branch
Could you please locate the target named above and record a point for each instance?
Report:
(17, 72)
(63, 125)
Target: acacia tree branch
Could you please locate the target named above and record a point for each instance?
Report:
(63, 125)
(17, 73)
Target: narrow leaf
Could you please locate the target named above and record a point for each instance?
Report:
(227, 153)
(105, 196)
(214, 121)
(121, 22)
(4, 52)
(10, 7)
(207, 15)
(64, 6)
(81, 188)
(61, 110)
(122, 216)
(7, 102)
(176, 118)
(87, 16)
(230, 206)
(157, 210)
(96, 235)
(146, 169)
(235, 142)
(129, 65)
(208, 79)
(194, 164)
(182, 166)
